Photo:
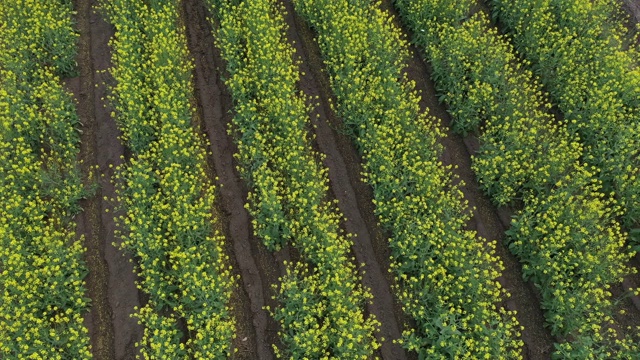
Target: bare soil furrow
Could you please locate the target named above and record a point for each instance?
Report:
(89, 225)
(108, 152)
(628, 315)
(257, 266)
(633, 282)
(353, 195)
(633, 7)
(101, 327)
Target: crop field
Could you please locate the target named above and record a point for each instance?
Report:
(319, 179)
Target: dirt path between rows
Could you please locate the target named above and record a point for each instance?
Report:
(353, 195)
(258, 267)
(633, 8)
(111, 280)
(489, 222)
(89, 222)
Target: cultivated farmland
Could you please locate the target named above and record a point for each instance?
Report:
(319, 179)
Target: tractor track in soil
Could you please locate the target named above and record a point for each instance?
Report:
(631, 19)
(633, 9)
(489, 222)
(111, 280)
(98, 320)
(258, 267)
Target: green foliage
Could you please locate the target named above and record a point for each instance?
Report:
(42, 297)
(522, 148)
(322, 308)
(567, 235)
(446, 276)
(38, 33)
(578, 49)
(164, 194)
(570, 246)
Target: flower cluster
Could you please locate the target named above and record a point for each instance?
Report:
(488, 92)
(572, 249)
(321, 299)
(42, 294)
(567, 235)
(446, 277)
(39, 33)
(164, 193)
(579, 50)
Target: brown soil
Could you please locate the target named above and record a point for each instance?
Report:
(89, 224)
(631, 19)
(489, 222)
(633, 281)
(258, 267)
(111, 280)
(123, 293)
(353, 195)
(633, 8)
(629, 302)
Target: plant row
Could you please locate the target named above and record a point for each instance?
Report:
(578, 50)
(446, 276)
(42, 294)
(165, 197)
(567, 237)
(321, 298)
